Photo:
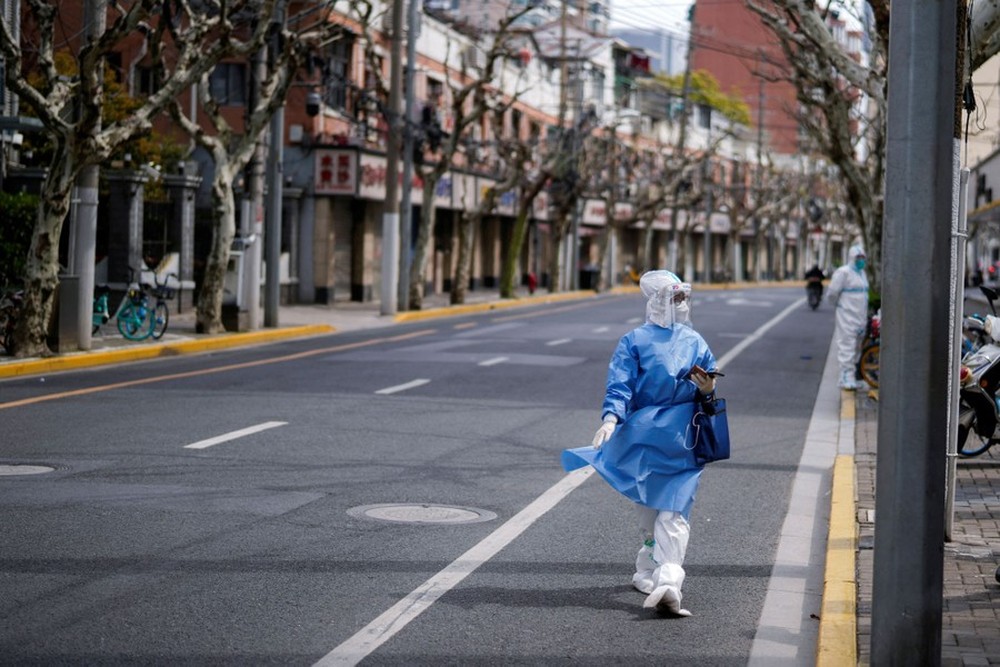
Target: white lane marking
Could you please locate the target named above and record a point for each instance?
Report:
(403, 387)
(601, 329)
(748, 302)
(379, 631)
(494, 361)
(634, 320)
(376, 633)
(759, 333)
(560, 341)
(225, 437)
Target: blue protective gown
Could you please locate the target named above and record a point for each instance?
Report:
(648, 458)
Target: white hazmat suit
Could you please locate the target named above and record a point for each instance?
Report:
(849, 291)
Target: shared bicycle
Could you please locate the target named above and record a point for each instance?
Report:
(137, 316)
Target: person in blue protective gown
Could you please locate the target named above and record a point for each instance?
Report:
(643, 448)
(849, 291)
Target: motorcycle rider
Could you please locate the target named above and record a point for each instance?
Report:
(814, 281)
(849, 291)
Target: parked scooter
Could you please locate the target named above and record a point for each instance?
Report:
(979, 380)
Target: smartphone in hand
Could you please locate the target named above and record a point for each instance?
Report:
(698, 370)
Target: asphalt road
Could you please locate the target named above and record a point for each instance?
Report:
(168, 533)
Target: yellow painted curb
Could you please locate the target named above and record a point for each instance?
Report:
(847, 405)
(838, 633)
(154, 350)
(467, 309)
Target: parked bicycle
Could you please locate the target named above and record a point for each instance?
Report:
(10, 310)
(137, 318)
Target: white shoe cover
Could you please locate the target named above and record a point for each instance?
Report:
(666, 598)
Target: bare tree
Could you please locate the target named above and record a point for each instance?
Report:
(69, 105)
(842, 102)
(231, 149)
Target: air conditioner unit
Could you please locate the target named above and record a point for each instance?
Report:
(473, 58)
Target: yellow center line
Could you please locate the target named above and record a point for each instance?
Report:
(209, 371)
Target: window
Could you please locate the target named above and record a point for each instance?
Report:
(704, 116)
(228, 84)
(147, 80)
(337, 72)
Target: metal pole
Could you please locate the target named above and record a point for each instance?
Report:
(275, 186)
(85, 236)
(921, 159)
(958, 292)
(390, 213)
(406, 205)
(252, 226)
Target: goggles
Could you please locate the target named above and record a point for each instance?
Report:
(679, 293)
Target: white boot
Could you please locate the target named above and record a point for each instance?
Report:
(847, 380)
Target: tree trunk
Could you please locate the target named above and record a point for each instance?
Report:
(41, 270)
(424, 233)
(467, 225)
(559, 228)
(509, 270)
(209, 315)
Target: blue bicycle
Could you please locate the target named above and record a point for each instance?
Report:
(136, 317)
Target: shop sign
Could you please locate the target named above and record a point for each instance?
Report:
(373, 176)
(336, 172)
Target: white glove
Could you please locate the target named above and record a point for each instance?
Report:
(603, 433)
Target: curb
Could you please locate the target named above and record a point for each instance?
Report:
(838, 633)
(466, 309)
(152, 351)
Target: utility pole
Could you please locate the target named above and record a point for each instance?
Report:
(563, 75)
(85, 237)
(406, 205)
(922, 146)
(390, 210)
(275, 185)
(681, 146)
(251, 218)
(758, 176)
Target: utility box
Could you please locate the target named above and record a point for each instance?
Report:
(67, 309)
(235, 316)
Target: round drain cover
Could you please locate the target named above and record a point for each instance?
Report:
(421, 513)
(8, 469)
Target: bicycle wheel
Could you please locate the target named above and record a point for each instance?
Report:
(868, 364)
(132, 324)
(161, 317)
(971, 443)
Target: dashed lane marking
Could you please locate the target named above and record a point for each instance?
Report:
(233, 435)
(419, 382)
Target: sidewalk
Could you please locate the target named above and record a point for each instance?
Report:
(970, 624)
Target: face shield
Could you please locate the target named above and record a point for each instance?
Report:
(667, 298)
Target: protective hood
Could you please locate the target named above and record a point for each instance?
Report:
(667, 298)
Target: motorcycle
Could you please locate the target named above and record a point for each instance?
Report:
(870, 348)
(979, 379)
(814, 292)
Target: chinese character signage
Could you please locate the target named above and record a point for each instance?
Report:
(336, 172)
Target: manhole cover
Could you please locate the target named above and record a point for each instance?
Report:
(419, 513)
(8, 469)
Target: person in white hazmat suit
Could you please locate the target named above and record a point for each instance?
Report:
(656, 377)
(849, 291)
